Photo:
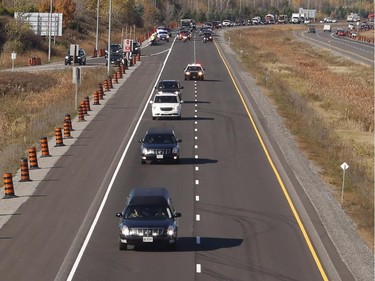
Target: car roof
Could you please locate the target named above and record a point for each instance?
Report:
(149, 195)
(160, 130)
(194, 64)
(168, 80)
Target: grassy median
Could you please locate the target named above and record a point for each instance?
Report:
(327, 102)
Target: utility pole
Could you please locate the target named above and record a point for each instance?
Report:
(109, 37)
(49, 31)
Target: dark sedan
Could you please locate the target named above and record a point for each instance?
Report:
(160, 145)
(148, 219)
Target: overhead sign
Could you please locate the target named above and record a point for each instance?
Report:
(40, 22)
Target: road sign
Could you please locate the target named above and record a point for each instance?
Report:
(127, 45)
(344, 166)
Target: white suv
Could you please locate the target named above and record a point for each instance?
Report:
(166, 105)
(225, 23)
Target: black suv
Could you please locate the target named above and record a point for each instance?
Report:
(116, 56)
(80, 58)
(148, 218)
(160, 145)
(169, 86)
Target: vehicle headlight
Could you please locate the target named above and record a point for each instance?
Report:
(200, 73)
(171, 231)
(175, 150)
(125, 230)
(144, 151)
(187, 72)
(176, 92)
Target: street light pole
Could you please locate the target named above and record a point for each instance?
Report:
(49, 31)
(97, 25)
(109, 37)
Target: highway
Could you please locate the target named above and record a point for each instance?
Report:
(359, 51)
(239, 221)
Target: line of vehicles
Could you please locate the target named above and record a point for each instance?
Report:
(78, 55)
(149, 217)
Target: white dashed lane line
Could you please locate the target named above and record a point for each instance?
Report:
(197, 198)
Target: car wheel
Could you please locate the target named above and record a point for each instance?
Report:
(122, 246)
(153, 118)
(143, 161)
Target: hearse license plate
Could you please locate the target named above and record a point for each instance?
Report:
(148, 239)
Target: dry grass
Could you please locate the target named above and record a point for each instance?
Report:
(328, 103)
(368, 33)
(33, 104)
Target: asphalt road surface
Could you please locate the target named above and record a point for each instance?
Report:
(238, 220)
(356, 50)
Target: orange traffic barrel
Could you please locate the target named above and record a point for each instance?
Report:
(59, 138)
(67, 134)
(69, 120)
(25, 175)
(83, 106)
(115, 79)
(81, 115)
(106, 86)
(8, 186)
(100, 87)
(96, 98)
(32, 158)
(110, 82)
(44, 146)
(119, 73)
(87, 103)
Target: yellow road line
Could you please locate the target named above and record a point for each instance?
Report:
(286, 194)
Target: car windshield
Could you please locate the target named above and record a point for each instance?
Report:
(148, 212)
(194, 68)
(166, 99)
(115, 48)
(168, 85)
(159, 139)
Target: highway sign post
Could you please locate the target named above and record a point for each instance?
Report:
(76, 81)
(344, 166)
(13, 57)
